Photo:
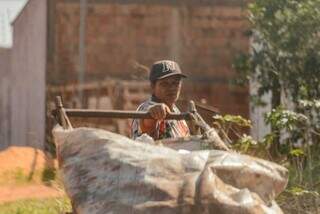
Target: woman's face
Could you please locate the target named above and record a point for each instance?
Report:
(167, 90)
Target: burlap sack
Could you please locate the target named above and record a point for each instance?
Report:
(105, 172)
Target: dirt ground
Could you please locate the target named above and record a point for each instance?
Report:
(29, 162)
(26, 158)
(34, 191)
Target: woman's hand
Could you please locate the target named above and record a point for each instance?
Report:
(159, 111)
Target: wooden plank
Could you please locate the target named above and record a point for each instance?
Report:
(121, 114)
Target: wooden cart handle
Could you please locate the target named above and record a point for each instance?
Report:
(118, 114)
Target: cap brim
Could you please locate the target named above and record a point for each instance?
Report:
(173, 74)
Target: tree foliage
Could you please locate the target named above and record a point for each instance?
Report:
(285, 60)
(285, 53)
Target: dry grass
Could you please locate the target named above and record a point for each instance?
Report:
(37, 206)
(299, 204)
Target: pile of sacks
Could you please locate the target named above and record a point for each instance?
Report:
(104, 172)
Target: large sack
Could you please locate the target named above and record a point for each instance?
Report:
(108, 173)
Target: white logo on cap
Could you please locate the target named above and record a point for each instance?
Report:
(167, 66)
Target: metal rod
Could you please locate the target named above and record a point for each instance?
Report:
(121, 114)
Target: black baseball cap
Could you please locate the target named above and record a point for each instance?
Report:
(164, 68)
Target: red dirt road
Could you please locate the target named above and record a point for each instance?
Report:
(13, 193)
(27, 160)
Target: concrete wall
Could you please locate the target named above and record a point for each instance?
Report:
(5, 63)
(28, 75)
(202, 36)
